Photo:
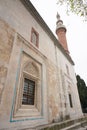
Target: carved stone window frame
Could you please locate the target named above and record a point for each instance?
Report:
(22, 110)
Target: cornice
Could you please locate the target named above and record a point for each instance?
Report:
(29, 6)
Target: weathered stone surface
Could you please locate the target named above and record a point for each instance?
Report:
(6, 41)
(6, 44)
(49, 60)
(53, 90)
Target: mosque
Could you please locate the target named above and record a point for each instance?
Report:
(37, 79)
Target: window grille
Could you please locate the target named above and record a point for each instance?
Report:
(28, 92)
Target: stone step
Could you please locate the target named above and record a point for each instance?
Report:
(65, 125)
(76, 124)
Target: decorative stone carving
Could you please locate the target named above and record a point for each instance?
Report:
(31, 68)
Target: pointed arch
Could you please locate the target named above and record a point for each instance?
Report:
(31, 68)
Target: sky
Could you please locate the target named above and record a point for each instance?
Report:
(76, 32)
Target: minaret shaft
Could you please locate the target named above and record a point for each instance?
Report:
(61, 33)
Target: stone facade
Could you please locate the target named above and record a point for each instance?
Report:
(6, 44)
(45, 65)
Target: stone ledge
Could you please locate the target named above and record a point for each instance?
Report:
(75, 126)
(65, 125)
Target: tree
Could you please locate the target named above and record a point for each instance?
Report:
(76, 6)
(82, 89)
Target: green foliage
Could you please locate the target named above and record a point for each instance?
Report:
(78, 7)
(82, 89)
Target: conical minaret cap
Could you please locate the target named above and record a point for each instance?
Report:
(59, 23)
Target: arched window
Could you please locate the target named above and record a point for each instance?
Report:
(34, 37)
(31, 79)
(67, 69)
(70, 100)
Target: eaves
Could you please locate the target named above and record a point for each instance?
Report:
(29, 6)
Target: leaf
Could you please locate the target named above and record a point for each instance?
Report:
(78, 7)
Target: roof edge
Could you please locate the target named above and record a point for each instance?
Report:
(29, 6)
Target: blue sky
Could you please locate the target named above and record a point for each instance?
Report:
(76, 32)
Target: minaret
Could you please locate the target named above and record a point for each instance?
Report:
(61, 33)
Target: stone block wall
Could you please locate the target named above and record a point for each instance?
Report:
(52, 87)
(6, 45)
